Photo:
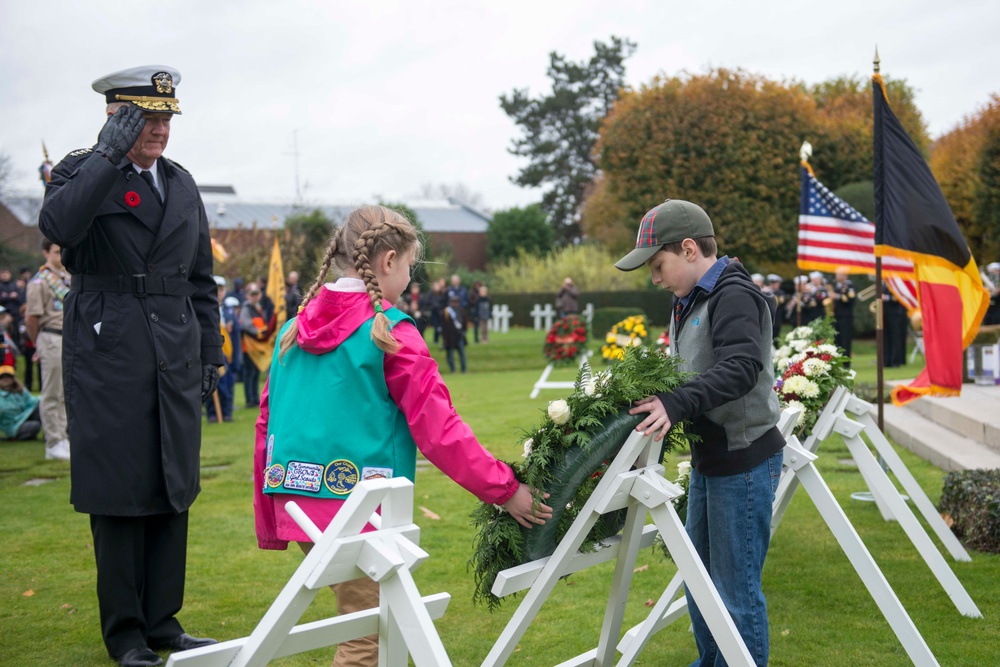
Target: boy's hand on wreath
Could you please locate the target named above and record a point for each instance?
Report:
(658, 420)
(522, 507)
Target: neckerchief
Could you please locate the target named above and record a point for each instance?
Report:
(56, 282)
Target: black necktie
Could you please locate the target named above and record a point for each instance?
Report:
(148, 177)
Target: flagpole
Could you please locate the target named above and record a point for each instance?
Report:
(879, 330)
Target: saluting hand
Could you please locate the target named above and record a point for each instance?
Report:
(119, 133)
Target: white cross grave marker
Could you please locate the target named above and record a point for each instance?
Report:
(540, 313)
(500, 318)
(588, 315)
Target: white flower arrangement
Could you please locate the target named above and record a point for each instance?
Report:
(807, 371)
(799, 333)
(815, 366)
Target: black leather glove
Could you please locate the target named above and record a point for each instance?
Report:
(209, 380)
(119, 133)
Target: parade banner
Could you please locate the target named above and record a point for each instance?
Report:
(914, 222)
(276, 287)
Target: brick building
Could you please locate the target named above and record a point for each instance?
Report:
(450, 225)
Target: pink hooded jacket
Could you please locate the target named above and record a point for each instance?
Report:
(415, 385)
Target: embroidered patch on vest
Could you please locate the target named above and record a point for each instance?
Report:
(304, 477)
(341, 476)
(376, 473)
(275, 475)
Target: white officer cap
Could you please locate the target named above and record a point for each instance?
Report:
(231, 302)
(149, 87)
(993, 267)
(816, 274)
(757, 276)
(220, 281)
(773, 278)
(800, 279)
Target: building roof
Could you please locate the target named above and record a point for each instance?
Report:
(226, 210)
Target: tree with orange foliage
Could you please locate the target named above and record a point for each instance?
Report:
(964, 162)
(729, 141)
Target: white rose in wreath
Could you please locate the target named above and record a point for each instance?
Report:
(683, 469)
(527, 447)
(559, 411)
(590, 386)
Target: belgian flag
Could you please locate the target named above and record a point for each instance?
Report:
(913, 220)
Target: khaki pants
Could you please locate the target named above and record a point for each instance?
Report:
(354, 595)
(53, 402)
(357, 595)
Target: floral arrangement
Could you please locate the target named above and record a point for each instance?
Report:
(566, 455)
(566, 339)
(630, 332)
(807, 369)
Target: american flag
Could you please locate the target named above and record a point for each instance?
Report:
(832, 234)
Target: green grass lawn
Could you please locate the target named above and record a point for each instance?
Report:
(821, 614)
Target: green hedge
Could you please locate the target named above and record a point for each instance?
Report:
(972, 499)
(605, 318)
(654, 303)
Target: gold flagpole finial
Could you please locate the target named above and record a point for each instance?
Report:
(877, 62)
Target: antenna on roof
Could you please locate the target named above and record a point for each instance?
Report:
(295, 155)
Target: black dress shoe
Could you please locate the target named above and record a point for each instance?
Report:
(139, 657)
(181, 642)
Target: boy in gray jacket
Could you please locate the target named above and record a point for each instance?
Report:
(720, 325)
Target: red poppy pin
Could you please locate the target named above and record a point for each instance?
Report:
(132, 198)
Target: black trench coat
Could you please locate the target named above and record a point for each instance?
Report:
(140, 320)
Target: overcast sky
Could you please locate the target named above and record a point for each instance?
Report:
(384, 97)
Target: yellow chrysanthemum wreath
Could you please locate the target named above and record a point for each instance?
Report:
(630, 332)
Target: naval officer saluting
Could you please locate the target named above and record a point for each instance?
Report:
(141, 351)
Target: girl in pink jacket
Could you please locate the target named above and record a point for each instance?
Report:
(352, 394)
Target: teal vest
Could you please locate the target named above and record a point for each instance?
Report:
(332, 421)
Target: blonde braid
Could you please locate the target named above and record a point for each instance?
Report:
(289, 338)
(363, 249)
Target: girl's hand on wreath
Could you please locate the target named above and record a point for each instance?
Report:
(521, 507)
(658, 420)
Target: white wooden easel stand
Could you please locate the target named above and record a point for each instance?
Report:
(839, 417)
(403, 619)
(799, 462)
(543, 381)
(642, 490)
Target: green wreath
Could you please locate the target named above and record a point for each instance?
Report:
(566, 339)
(580, 466)
(567, 455)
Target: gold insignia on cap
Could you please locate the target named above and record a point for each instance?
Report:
(159, 104)
(164, 82)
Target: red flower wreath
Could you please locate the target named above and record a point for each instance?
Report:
(132, 198)
(566, 339)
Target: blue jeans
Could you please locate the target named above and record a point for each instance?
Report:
(251, 383)
(460, 345)
(729, 522)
